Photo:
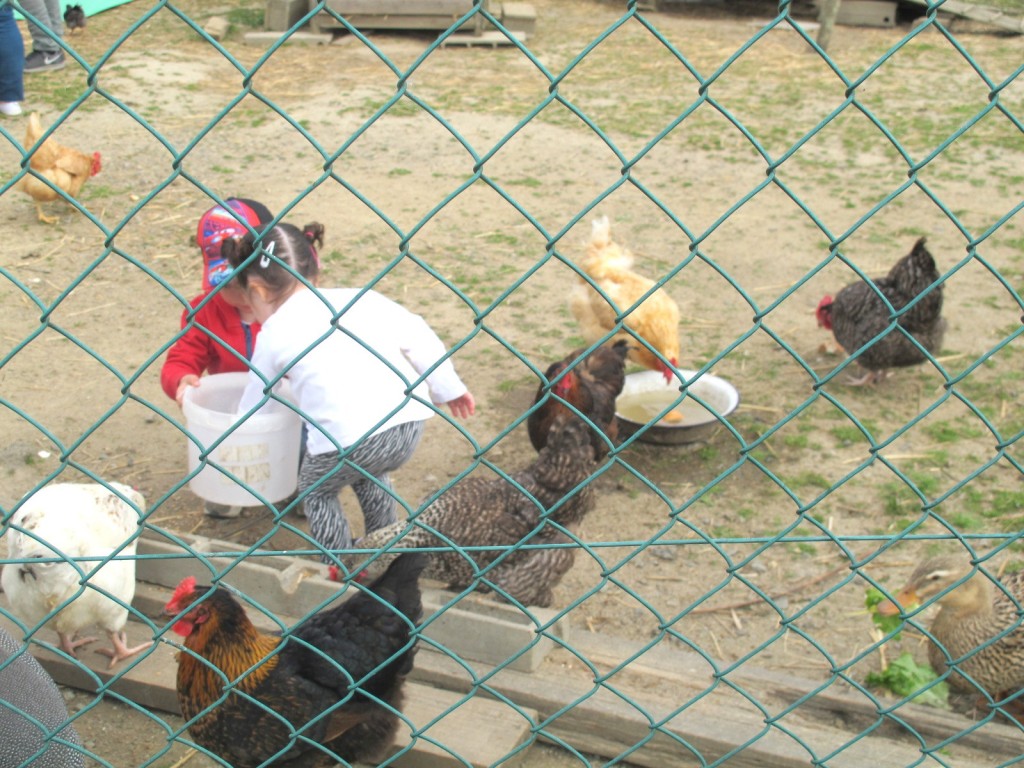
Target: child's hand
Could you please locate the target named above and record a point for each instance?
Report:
(188, 380)
(464, 406)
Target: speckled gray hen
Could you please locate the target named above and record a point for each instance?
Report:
(858, 314)
(493, 512)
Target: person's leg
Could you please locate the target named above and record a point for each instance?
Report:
(379, 455)
(327, 523)
(12, 61)
(46, 31)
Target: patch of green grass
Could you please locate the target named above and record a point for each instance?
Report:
(707, 452)
(527, 182)
(512, 385)
(801, 548)
(1006, 503)
(795, 441)
(807, 480)
(846, 434)
(246, 17)
(399, 172)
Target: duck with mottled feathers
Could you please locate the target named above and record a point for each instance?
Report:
(975, 612)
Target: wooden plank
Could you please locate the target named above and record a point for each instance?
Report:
(456, 723)
(867, 13)
(702, 715)
(690, 670)
(472, 626)
(452, 8)
(654, 686)
(983, 13)
(605, 723)
(150, 681)
(491, 38)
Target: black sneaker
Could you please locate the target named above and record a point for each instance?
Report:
(44, 61)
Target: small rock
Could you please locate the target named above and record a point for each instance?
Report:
(664, 553)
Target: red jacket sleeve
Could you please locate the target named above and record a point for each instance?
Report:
(197, 351)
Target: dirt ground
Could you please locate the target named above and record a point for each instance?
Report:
(808, 483)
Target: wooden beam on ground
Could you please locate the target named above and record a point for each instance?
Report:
(1014, 22)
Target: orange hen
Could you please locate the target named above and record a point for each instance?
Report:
(55, 167)
(654, 321)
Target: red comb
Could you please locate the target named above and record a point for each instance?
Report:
(334, 574)
(182, 595)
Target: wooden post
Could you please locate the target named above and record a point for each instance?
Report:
(827, 20)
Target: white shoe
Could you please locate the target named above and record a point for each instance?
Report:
(10, 108)
(221, 511)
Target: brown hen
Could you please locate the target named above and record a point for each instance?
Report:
(655, 320)
(321, 684)
(590, 385)
(58, 168)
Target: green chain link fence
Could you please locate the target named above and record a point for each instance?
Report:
(752, 172)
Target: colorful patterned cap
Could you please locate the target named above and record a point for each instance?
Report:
(217, 225)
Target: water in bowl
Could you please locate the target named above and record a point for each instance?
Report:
(643, 407)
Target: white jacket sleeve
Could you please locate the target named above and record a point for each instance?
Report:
(423, 348)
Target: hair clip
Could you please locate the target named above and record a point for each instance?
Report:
(267, 253)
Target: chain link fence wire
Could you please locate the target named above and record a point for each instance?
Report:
(732, 574)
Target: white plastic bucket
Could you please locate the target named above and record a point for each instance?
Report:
(262, 453)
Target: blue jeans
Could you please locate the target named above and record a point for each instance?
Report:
(12, 58)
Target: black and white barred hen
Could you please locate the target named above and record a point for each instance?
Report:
(858, 314)
(550, 494)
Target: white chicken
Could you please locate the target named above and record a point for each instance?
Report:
(68, 521)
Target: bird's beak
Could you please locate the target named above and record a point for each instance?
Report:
(906, 597)
(26, 570)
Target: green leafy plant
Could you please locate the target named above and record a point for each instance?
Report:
(904, 677)
(872, 599)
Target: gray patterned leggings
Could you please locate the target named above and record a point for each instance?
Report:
(374, 456)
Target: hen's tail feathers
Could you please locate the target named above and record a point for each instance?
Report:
(399, 584)
(33, 130)
(916, 271)
(600, 232)
(609, 360)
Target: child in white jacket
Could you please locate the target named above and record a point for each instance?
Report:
(355, 362)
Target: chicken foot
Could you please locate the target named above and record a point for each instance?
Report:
(869, 378)
(46, 220)
(68, 643)
(120, 650)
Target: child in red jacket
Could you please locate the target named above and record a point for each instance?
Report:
(219, 336)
